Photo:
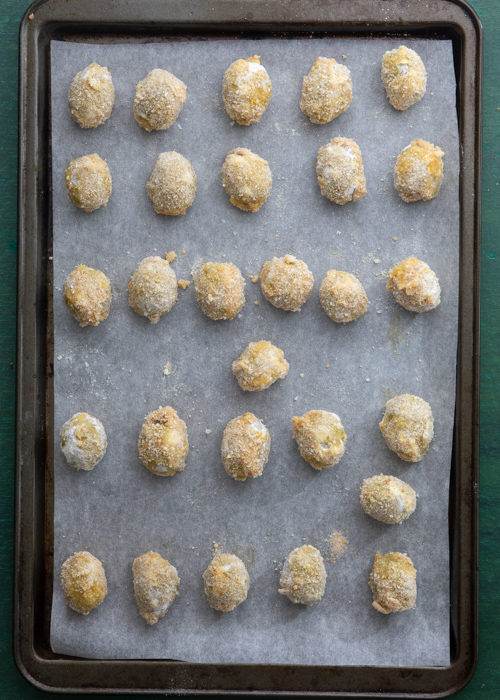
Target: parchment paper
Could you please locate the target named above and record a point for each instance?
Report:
(116, 371)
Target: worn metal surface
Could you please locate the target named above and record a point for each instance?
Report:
(159, 20)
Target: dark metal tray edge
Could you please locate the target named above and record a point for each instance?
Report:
(33, 545)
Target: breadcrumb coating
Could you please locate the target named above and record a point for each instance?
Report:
(404, 77)
(246, 90)
(226, 582)
(87, 293)
(247, 179)
(286, 282)
(259, 366)
(393, 581)
(163, 442)
(83, 582)
(246, 443)
(414, 285)
(83, 441)
(88, 182)
(153, 288)
(408, 426)
(303, 576)
(342, 296)
(156, 586)
(387, 499)
(320, 438)
(326, 91)
(418, 172)
(91, 96)
(340, 171)
(159, 100)
(172, 186)
(220, 290)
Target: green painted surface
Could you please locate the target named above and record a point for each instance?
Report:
(486, 682)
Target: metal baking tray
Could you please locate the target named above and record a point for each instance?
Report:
(171, 20)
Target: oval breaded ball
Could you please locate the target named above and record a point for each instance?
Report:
(159, 100)
(393, 581)
(340, 171)
(404, 77)
(87, 293)
(91, 96)
(286, 282)
(220, 290)
(408, 426)
(320, 438)
(342, 296)
(303, 576)
(153, 288)
(326, 91)
(387, 499)
(226, 582)
(259, 366)
(83, 441)
(156, 586)
(88, 182)
(414, 285)
(246, 90)
(245, 447)
(83, 582)
(418, 172)
(247, 179)
(172, 186)
(163, 442)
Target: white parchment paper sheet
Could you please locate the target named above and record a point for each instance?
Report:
(115, 371)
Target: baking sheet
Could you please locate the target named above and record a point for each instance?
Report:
(116, 371)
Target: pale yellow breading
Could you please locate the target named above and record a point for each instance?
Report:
(247, 179)
(303, 576)
(340, 171)
(342, 296)
(320, 438)
(91, 96)
(83, 441)
(418, 172)
(87, 293)
(387, 499)
(172, 185)
(220, 290)
(83, 582)
(246, 90)
(88, 182)
(153, 288)
(286, 282)
(159, 100)
(163, 442)
(156, 586)
(259, 366)
(404, 77)
(326, 91)
(246, 443)
(393, 581)
(414, 285)
(226, 582)
(408, 426)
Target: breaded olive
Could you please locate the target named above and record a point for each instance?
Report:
(247, 179)
(226, 582)
(156, 586)
(246, 90)
(88, 182)
(326, 91)
(387, 499)
(408, 426)
(393, 581)
(418, 172)
(303, 576)
(340, 171)
(342, 296)
(414, 285)
(83, 582)
(404, 77)
(91, 96)
(163, 442)
(245, 447)
(153, 288)
(220, 290)
(87, 293)
(320, 438)
(83, 441)
(172, 186)
(286, 282)
(159, 100)
(259, 366)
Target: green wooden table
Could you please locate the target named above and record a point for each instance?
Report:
(486, 682)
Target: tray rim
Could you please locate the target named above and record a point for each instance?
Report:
(364, 16)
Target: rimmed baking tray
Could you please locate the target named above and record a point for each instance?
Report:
(161, 20)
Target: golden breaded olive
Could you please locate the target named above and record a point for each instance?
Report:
(83, 441)
(172, 186)
(83, 582)
(247, 179)
(245, 447)
(326, 91)
(342, 296)
(286, 282)
(87, 293)
(414, 286)
(159, 100)
(226, 582)
(163, 442)
(387, 499)
(340, 171)
(153, 288)
(404, 77)
(91, 96)
(408, 426)
(246, 90)
(156, 586)
(393, 581)
(220, 290)
(259, 366)
(320, 438)
(88, 182)
(418, 172)
(303, 576)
